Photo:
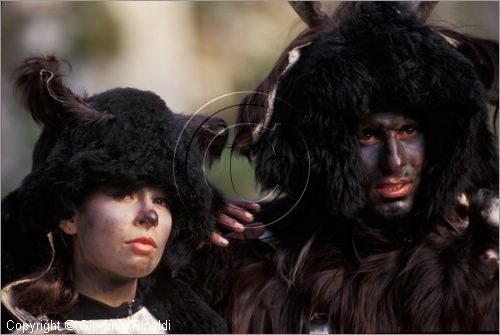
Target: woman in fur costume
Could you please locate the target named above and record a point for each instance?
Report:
(93, 239)
(374, 125)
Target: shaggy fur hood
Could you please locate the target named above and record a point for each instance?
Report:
(381, 55)
(123, 136)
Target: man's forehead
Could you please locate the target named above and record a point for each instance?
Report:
(388, 118)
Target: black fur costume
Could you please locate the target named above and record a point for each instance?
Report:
(122, 136)
(426, 274)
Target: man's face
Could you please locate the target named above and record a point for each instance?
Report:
(392, 154)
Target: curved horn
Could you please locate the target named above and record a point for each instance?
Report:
(483, 54)
(311, 13)
(425, 9)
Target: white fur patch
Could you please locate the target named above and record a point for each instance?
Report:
(492, 213)
(451, 41)
(293, 57)
(491, 254)
(462, 199)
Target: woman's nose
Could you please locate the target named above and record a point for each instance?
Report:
(151, 216)
(148, 217)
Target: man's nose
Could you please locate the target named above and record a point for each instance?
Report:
(393, 157)
(148, 217)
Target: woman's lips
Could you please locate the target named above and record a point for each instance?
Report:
(394, 190)
(142, 245)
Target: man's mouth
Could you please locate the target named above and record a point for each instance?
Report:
(394, 190)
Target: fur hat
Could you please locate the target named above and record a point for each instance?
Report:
(123, 136)
(369, 55)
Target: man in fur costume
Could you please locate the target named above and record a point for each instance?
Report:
(112, 180)
(375, 127)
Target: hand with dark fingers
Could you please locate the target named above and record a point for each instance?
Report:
(236, 220)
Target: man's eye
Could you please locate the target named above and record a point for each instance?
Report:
(408, 131)
(367, 136)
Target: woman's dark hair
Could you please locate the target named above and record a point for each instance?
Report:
(50, 290)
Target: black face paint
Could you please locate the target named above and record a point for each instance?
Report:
(392, 154)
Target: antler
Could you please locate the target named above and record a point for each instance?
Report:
(310, 12)
(425, 9)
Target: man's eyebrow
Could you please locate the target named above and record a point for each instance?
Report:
(411, 121)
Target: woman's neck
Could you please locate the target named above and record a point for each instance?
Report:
(103, 287)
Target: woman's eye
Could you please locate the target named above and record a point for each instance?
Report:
(162, 201)
(122, 195)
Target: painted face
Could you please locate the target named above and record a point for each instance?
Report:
(121, 234)
(392, 154)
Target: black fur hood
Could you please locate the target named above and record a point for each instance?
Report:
(379, 55)
(123, 136)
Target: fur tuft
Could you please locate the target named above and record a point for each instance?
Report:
(45, 95)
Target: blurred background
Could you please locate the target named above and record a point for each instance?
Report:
(189, 53)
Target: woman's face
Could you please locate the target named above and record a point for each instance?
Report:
(120, 233)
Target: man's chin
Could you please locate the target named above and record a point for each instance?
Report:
(394, 210)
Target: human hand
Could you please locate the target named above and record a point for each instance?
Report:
(237, 218)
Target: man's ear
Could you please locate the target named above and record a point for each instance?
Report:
(68, 226)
